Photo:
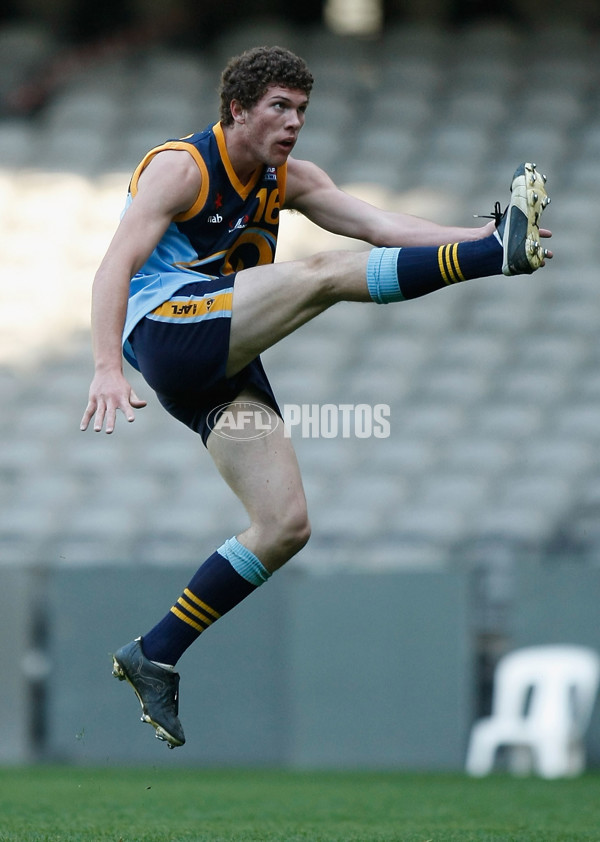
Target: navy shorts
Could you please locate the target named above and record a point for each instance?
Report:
(182, 348)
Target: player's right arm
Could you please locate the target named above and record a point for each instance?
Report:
(169, 185)
(312, 192)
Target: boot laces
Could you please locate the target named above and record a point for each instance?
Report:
(496, 214)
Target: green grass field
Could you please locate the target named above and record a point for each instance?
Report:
(65, 804)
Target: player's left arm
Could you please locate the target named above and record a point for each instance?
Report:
(312, 192)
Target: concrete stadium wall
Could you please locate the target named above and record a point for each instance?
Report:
(559, 603)
(15, 620)
(343, 671)
(339, 671)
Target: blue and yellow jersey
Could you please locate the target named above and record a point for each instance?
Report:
(231, 226)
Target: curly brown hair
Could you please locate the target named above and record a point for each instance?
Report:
(249, 75)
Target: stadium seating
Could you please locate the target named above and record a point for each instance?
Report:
(493, 387)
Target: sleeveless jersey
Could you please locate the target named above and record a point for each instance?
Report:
(231, 226)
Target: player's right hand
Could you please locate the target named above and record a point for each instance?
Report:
(108, 393)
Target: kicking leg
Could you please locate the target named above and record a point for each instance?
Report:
(270, 302)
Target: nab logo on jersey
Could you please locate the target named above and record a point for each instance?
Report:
(215, 218)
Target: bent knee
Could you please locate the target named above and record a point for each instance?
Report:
(293, 531)
(298, 532)
(284, 537)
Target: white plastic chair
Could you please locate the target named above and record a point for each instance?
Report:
(541, 708)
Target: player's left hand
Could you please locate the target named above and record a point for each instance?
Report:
(545, 233)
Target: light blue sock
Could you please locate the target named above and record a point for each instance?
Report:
(399, 274)
(382, 275)
(244, 562)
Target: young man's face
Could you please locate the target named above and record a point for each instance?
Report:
(273, 124)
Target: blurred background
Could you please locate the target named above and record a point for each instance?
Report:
(474, 528)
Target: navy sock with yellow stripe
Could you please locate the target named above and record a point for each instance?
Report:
(226, 578)
(398, 274)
